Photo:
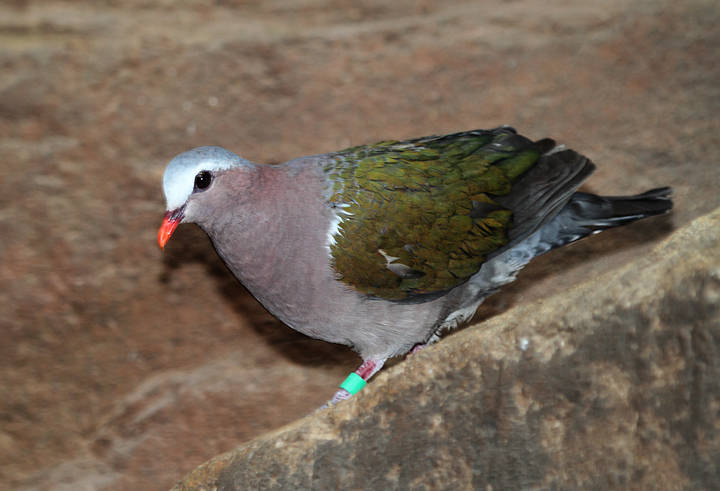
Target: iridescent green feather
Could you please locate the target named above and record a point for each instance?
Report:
(412, 201)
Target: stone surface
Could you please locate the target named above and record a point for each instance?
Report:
(122, 367)
(614, 384)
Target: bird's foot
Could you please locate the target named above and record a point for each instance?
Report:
(340, 395)
(418, 347)
(358, 379)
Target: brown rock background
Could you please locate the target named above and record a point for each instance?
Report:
(122, 367)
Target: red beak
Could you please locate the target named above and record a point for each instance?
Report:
(169, 224)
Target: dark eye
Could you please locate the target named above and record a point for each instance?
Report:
(203, 179)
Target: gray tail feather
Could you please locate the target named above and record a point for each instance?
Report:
(602, 212)
(587, 214)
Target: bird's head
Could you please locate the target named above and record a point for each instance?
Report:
(187, 178)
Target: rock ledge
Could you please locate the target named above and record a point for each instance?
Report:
(613, 384)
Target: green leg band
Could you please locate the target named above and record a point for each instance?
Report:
(353, 384)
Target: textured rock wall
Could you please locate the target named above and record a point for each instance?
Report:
(612, 385)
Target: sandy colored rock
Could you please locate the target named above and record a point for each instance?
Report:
(613, 384)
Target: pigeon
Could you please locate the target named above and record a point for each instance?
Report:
(381, 247)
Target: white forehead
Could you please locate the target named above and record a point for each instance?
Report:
(179, 178)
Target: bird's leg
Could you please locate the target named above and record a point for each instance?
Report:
(358, 379)
(418, 347)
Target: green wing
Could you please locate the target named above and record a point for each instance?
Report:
(418, 216)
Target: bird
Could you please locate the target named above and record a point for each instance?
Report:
(381, 247)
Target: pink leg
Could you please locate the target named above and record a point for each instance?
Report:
(418, 347)
(369, 368)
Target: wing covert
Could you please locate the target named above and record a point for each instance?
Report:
(419, 216)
